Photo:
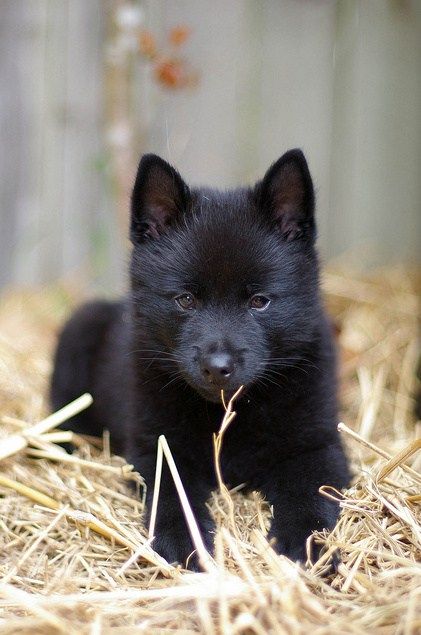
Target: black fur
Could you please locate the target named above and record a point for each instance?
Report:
(155, 363)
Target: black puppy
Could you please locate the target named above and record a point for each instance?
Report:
(224, 292)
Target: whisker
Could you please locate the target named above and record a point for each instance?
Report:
(178, 377)
(287, 362)
(151, 350)
(167, 373)
(157, 359)
(275, 373)
(288, 366)
(270, 380)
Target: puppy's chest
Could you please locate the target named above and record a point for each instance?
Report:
(249, 447)
(258, 438)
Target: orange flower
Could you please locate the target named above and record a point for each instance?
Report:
(171, 73)
(147, 44)
(179, 34)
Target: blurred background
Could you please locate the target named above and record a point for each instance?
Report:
(220, 89)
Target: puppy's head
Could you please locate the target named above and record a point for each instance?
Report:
(224, 284)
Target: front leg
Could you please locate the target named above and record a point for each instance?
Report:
(172, 538)
(298, 507)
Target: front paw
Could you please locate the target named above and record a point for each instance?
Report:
(176, 546)
(288, 544)
(295, 548)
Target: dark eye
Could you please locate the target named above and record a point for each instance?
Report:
(259, 302)
(186, 301)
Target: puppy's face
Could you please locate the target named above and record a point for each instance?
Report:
(225, 284)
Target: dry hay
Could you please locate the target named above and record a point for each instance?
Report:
(59, 574)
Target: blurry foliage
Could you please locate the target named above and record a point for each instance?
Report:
(131, 48)
(170, 70)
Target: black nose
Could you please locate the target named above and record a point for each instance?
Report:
(217, 368)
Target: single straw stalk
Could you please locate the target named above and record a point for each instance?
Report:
(163, 448)
(391, 460)
(229, 416)
(17, 442)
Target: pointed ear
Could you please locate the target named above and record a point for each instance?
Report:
(159, 198)
(286, 194)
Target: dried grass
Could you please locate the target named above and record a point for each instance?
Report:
(74, 557)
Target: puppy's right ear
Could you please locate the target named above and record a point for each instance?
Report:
(159, 197)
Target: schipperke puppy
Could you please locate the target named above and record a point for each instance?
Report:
(224, 293)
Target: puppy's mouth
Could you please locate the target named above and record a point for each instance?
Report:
(213, 392)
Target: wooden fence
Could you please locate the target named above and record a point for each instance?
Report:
(339, 79)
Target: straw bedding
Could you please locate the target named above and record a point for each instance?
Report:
(74, 557)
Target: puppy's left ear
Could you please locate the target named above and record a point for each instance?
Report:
(286, 195)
